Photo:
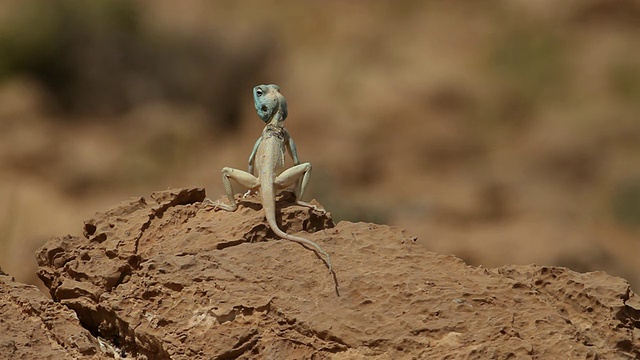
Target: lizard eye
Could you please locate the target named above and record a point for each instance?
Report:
(259, 92)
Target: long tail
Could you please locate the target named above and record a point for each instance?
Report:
(271, 220)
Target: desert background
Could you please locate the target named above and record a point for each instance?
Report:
(503, 132)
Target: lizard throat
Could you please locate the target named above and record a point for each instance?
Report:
(275, 131)
(276, 120)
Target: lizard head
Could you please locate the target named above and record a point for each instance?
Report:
(269, 102)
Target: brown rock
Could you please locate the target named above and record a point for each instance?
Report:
(169, 279)
(34, 327)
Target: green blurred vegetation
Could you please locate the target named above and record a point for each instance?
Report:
(99, 58)
(530, 60)
(49, 40)
(625, 80)
(626, 202)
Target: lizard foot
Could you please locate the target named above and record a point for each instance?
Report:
(249, 192)
(217, 205)
(311, 206)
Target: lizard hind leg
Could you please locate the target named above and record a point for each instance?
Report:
(241, 177)
(290, 176)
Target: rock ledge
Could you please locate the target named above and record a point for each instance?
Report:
(167, 279)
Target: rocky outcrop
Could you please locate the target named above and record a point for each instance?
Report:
(165, 278)
(34, 327)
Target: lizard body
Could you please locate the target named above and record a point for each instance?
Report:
(267, 159)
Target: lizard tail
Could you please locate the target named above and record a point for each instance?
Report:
(271, 220)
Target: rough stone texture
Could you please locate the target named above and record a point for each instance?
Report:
(167, 279)
(34, 327)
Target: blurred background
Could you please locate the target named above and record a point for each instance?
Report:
(502, 131)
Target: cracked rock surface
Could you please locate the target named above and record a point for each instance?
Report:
(34, 327)
(165, 278)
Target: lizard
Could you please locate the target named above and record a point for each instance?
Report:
(267, 160)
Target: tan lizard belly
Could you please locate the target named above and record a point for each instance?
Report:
(270, 157)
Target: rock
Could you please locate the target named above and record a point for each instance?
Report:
(169, 279)
(34, 327)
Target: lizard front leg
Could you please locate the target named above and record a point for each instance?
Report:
(241, 177)
(291, 176)
(252, 160)
(252, 157)
(293, 151)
